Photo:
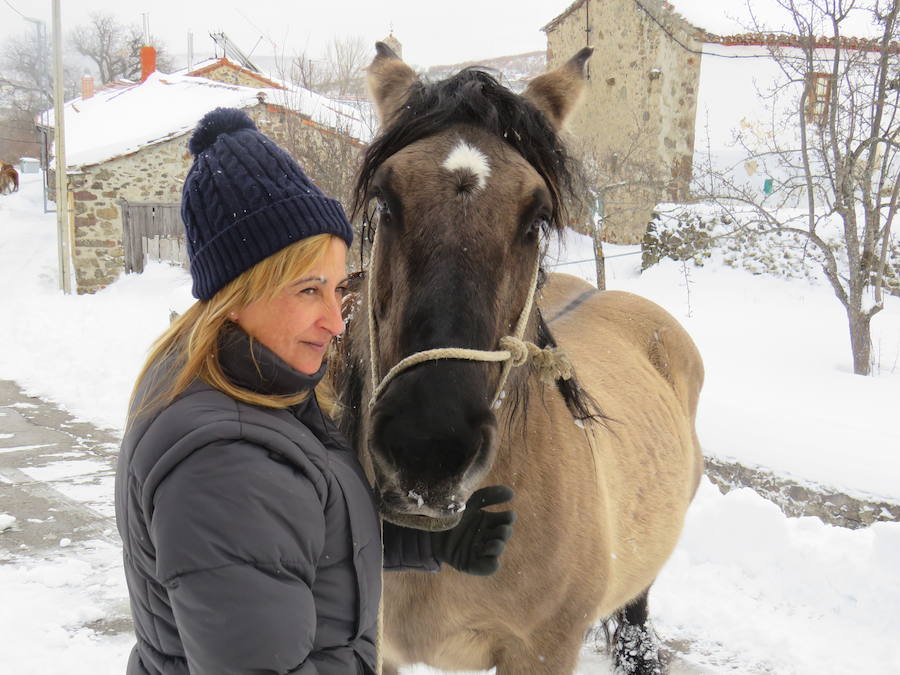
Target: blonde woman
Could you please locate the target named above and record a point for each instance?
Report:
(251, 539)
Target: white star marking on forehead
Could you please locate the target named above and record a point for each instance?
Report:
(465, 157)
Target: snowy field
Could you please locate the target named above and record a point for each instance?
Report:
(747, 591)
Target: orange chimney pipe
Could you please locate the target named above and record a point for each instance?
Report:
(87, 87)
(148, 62)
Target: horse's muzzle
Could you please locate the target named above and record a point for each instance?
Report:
(411, 510)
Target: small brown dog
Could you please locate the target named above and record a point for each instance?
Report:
(9, 178)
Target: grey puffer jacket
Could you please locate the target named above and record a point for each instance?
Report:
(251, 539)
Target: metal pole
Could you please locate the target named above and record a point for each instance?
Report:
(62, 196)
(597, 216)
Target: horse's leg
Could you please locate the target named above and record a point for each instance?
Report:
(553, 649)
(635, 643)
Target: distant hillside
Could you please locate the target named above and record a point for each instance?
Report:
(514, 71)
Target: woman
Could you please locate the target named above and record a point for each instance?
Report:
(251, 539)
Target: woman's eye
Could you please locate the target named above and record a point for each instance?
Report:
(308, 291)
(341, 290)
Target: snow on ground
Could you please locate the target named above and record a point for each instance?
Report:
(82, 352)
(779, 391)
(54, 608)
(747, 591)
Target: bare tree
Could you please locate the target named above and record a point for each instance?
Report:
(346, 58)
(831, 146)
(329, 152)
(25, 90)
(115, 48)
(307, 72)
(626, 176)
(25, 73)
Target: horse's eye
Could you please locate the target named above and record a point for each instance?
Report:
(535, 226)
(384, 210)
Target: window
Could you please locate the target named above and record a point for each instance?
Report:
(818, 97)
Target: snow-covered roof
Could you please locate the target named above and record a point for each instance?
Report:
(124, 118)
(198, 65)
(733, 17)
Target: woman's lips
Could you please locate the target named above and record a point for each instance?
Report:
(318, 346)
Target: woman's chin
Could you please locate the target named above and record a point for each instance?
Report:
(307, 365)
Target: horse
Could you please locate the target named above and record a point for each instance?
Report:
(585, 409)
(9, 179)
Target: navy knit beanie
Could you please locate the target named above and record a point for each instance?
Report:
(245, 199)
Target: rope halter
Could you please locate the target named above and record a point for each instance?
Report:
(550, 362)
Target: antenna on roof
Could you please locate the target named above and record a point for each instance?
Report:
(232, 51)
(146, 16)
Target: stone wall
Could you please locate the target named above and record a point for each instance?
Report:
(153, 174)
(796, 499)
(636, 124)
(156, 173)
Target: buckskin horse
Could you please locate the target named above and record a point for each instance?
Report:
(594, 428)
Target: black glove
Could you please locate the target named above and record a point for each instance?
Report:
(475, 544)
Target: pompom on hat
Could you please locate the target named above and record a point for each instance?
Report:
(244, 199)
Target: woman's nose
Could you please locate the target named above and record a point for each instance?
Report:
(333, 322)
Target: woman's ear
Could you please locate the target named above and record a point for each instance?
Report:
(389, 80)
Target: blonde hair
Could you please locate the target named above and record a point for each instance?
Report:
(190, 344)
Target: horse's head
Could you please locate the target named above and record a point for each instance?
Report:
(466, 176)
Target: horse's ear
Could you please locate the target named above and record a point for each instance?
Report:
(389, 80)
(556, 93)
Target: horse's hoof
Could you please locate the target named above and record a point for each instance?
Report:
(636, 651)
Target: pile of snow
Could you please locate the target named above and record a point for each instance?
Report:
(6, 521)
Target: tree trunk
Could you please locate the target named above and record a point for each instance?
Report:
(860, 341)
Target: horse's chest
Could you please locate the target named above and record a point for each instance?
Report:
(429, 620)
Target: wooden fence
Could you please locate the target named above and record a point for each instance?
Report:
(170, 249)
(152, 231)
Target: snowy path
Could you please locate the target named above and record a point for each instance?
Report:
(63, 592)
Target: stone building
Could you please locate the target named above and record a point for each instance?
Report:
(636, 124)
(223, 70)
(127, 156)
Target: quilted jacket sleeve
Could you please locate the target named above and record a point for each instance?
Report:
(407, 549)
(237, 538)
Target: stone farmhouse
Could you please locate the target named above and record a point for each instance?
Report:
(636, 124)
(649, 105)
(126, 156)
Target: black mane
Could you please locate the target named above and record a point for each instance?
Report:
(474, 97)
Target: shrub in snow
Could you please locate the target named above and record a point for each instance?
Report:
(6, 521)
(695, 232)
